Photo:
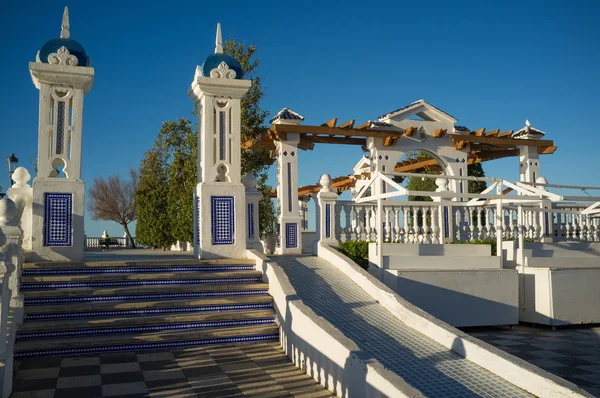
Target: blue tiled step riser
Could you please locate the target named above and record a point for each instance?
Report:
(137, 297)
(146, 346)
(69, 285)
(148, 328)
(129, 270)
(145, 311)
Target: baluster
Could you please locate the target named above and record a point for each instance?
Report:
(584, 228)
(348, 227)
(536, 228)
(396, 237)
(337, 214)
(505, 225)
(360, 223)
(421, 225)
(368, 223)
(458, 225)
(472, 223)
(515, 225)
(481, 220)
(413, 221)
(490, 219)
(435, 227)
(405, 228)
(388, 233)
(571, 227)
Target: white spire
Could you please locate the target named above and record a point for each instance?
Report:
(64, 29)
(527, 123)
(219, 41)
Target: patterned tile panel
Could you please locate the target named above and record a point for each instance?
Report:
(223, 220)
(328, 220)
(426, 365)
(58, 219)
(291, 235)
(250, 220)
(60, 127)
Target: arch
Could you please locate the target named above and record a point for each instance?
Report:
(59, 168)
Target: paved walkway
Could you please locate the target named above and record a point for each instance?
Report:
(572, 353)
(428, 366)
(236, 370)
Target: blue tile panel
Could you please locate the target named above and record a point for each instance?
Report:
(250, 220)
(328, 220)
(146, 311)
(147, 346)
(127, 270)
(198, 220)
(60, 127)
(143, 328)
(138, 297)
(223, 220)
(222, 135)
(67, 285)
(58, 219)
(278, 235)
(291, 235)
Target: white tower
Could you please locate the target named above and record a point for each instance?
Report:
(63, 75)
(219, 218)
(529, 158)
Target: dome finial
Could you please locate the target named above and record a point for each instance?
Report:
(219, 41)
(65, 33)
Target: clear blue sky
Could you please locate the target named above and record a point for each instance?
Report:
(490, 64)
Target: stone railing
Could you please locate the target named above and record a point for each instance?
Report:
(431, 222)
(92, 242)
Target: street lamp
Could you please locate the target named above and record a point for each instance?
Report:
(12, 161)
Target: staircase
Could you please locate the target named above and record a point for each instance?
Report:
(74, 308)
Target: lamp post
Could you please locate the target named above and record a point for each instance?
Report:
(12, 161)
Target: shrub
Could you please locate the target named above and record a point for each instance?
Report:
(358, 251)
(486, 241)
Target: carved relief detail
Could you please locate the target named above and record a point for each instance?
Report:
(223, 72)
(63, 57)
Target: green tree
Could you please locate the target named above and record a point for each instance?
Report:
(476, 170)
(421, 183)
(256, 158)
(153, 226)
(179, 144)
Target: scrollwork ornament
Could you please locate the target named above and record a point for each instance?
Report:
(223, 72)
(63, 57)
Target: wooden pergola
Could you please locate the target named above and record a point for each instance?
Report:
(482, 146)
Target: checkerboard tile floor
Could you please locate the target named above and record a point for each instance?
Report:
(572, 353)
(426, 365)
(236, 370)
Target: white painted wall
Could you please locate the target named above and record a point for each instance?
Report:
(460, 298)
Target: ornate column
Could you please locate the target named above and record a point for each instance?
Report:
(325, 209)
(220, 224)
(253, 197)
(63, 75)
(287, 186)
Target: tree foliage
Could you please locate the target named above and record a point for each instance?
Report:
(153, 226)
(114, 200)
(476, 170)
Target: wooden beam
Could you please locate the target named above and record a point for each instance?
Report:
(484, 156)
(364, 126)
(460, 144)
(501, 142)
(547, 150)
(405, 167)
(506, 134)
(330, 123)
(410, 131)
(479, 132)
(347, 125)
(306, 143)
(337, 140)
(390, 141)
(507, 191)
(492, 133)
(332, 131)
(439, 133)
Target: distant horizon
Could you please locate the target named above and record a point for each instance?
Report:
(489, 65)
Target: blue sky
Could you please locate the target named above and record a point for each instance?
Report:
(490, 64)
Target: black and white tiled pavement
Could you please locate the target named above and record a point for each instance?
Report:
(572, 353)
(235, 370)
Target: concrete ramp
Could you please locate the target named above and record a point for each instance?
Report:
(429, 367)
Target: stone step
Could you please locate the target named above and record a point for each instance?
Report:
(63, 329)
(150, 263)
(85, 295)
(90, 323)
(138, 269)
(145, 340)
(140, 276)
(146, 307)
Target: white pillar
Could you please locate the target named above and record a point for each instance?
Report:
(22, 194)
(219, 219)
(325, 212)
(63, 77)
(253, 197)
(529, 163)
(303, 206)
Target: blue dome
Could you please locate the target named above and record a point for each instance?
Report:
(76, 49)
(214, 60)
